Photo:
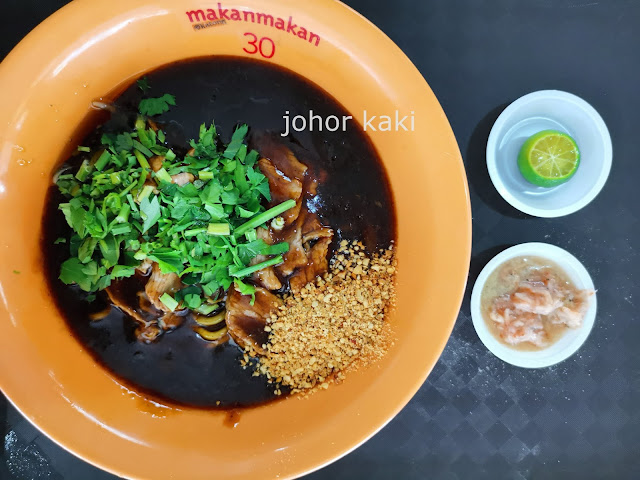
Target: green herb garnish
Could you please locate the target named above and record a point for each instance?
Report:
(156, 106)
(121, 212)
(169, 301)
(143, 84)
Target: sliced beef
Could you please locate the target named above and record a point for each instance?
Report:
(281, 156)
(296, 256)
(266, 277)
(285, 173)
(160, 283)
(156, 162)
(316, 265)
(181, 179)
(123, 303)
(282, 188)
(171, 321)
(312, 229)
(129, 302)
(246, 322)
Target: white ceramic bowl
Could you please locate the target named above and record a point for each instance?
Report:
(543, 110)
(570, 342)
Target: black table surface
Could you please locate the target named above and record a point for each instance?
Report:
(477, 417)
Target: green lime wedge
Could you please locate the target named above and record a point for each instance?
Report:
(549, 158)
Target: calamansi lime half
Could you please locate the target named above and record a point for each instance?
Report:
(549, 158)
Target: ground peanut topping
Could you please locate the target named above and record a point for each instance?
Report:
(334, 323)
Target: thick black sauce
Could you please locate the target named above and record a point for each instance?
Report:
(353, 197)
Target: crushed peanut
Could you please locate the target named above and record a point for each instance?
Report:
(334, 324)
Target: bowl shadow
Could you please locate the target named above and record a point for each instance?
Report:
(478, 262)
(477, 171)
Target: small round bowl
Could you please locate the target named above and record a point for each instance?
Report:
(570, 342)
(549, 110)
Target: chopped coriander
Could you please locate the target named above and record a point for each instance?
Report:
(84, 149)
(246, 289)
(124, 142)
(236, 142)
(72, 271)
(156, 106)
(194, 231)
(192, 300)
(169, 261)
(120, 212)
(120, 271)
(17, 272)
(143, 84)
(150, 212)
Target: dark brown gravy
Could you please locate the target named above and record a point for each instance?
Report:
(354, 198)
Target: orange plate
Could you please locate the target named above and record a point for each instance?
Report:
(91, 47)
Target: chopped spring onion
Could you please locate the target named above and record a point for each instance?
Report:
(102, 160)
(140, 123)
(169, 301)
(277, 223)
(144, 163)
(264, 217)
(194, 231)
(218, 229)
(123, 215)
(170, 155)
(205, 175)
(163, 175)
(119, 210)
(84, 171)
(145, 192)
(243, 272)
(207, 308)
